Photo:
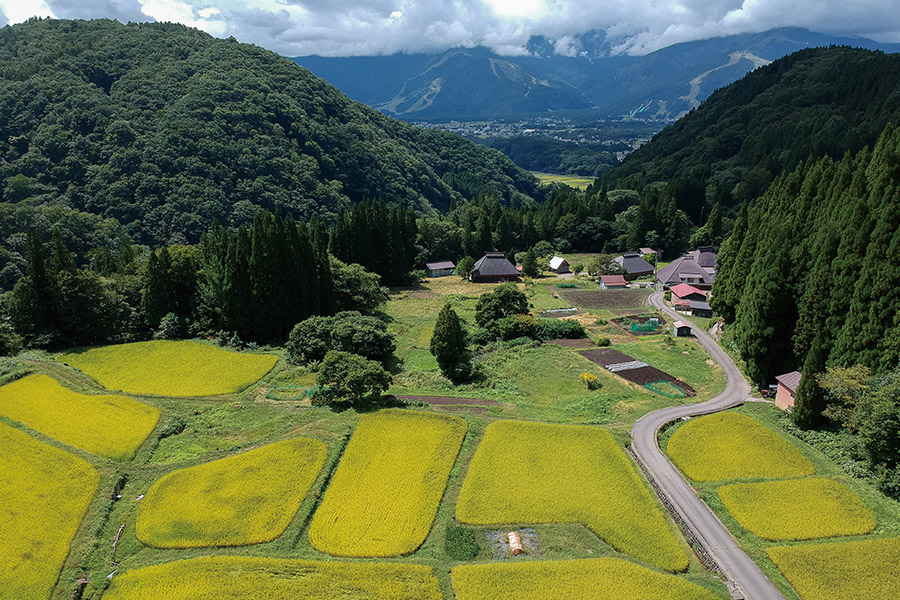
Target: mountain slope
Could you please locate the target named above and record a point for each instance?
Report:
(476, 83)
(166, 128)
(816, 102)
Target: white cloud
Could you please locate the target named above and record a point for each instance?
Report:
(365, 27)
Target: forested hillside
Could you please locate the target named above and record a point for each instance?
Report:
(810, 275)
(165, 129)
(816, 102)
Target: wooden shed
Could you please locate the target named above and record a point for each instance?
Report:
(681, 329)
(439, 269)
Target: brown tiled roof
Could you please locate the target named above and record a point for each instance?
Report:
(790, 380)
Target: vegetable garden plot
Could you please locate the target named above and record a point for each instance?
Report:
(729, 445)
(386, 490)
(630, 298)
(246, 578)
(797, 509)
(44, 495)
(592, 579)
(530, 473)
(244, 499)
(865, 570)
(110, 426)
(170, 368)
(633, 370)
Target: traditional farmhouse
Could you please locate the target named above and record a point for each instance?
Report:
(681, 329)
(705, 257)
(634, 265)
(686, 270)
(493, 267)
(701, 308)
(439, 269)
(559, 265)
(613, 282)
(787, 390)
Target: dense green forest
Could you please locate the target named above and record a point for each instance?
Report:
(548, 155)
(816, 102)
(810, 274)
(154, 130)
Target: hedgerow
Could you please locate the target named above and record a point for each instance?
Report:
(110, 426)
(247, 578)
(244, 499)
(386, 490)
(43, 498)
(171, 368)
(864, 570)
(729, 445)
(528, 472)
(797, 509)
(597, 579)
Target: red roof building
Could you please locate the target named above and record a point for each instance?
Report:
(687, 292)
(613, 282)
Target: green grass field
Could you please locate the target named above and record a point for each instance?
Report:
(729, 445)
(244, 499)
(110, 426)
(526, 473)
(386, 490)
(864, 570)
(797, 509)
(246, 578)
(594, 579)
(170, 368)
(43, 498)
(682, 358)
(575, 181)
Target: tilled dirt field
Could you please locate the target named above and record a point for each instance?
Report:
(641, 375)
(606, 298)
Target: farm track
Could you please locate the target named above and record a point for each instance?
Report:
(724, 550)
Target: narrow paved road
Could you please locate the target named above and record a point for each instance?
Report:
(734, 562)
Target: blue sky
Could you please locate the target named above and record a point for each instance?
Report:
(369, 27)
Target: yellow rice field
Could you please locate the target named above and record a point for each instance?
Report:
(593, 579)
(386, 490)
(865, 570)
(43, 497)
(797, 509)
(524, 473)
(244, 499)
(729, 445)
(110, 426)
(246, 578)
(170, 368)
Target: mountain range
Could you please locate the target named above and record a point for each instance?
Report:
(588, 81)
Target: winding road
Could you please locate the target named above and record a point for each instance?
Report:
(737, 567)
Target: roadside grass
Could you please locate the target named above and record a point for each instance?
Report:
(684, 359)
(249, 578)
(797, 509)
(43, 499)
(729, 445)
(170, 368)
(862, 570)
(110, 426)
(598, 579)
(385, 493)
(527, 473)
(244, 499)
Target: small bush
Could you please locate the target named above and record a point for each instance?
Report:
(668, 295)
(555, 329)
(516, 326)
(601, 322)
(170, 328)
(603, 342)
(461, 543)
(480, 337)
(567, 285)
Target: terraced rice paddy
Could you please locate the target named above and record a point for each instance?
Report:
(729, 445)
(594, 579)
(170, 368)
(386, 490)
(246, 578)
(529, 473)
(244, 499)
(110, 426)
(797, 509)
(43, 498)
(865, 570)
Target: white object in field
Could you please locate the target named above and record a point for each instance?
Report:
(515, 543)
